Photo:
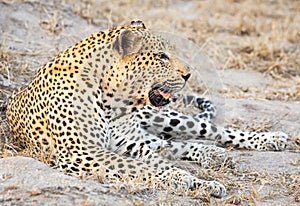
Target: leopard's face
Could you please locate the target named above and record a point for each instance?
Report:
(153, 77)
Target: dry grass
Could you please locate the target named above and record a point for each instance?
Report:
(257, 35)
(284, 90)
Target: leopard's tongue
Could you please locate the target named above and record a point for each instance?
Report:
(165, 95)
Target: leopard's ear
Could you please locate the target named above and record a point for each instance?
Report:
(127, 43)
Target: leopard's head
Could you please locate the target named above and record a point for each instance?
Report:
(148, 72)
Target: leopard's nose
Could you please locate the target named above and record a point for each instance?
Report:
(186, 77)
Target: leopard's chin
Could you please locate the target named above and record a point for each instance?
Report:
(159, 96)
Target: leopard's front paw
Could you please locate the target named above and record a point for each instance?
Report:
(276, 141)
(213, 188)
(179, 179)
(216, 189)
(207, 108)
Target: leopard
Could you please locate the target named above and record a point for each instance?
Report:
(100, 107)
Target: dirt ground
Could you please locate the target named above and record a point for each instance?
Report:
(247, 60)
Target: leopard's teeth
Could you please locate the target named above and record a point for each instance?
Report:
(165, 95)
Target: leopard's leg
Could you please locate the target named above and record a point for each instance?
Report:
(173, 124)
(240, 139)
(263, 141)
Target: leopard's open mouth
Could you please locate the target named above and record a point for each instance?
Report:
(160, 96)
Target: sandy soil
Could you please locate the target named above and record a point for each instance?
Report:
(249, 66)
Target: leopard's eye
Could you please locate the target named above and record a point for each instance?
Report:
(163, 56)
